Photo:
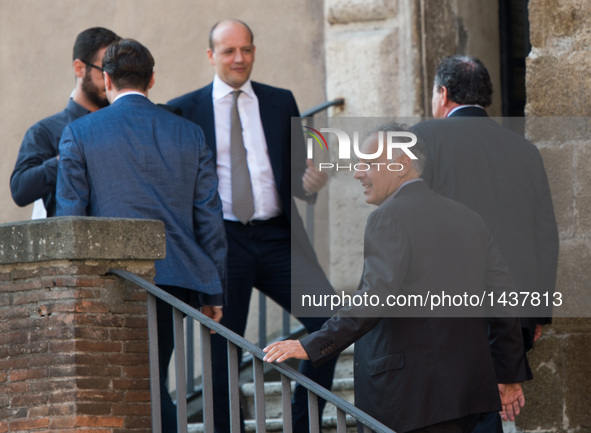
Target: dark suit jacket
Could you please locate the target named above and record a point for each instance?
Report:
(136, 160)
(501, 176)
(415, 372)
(277, 108)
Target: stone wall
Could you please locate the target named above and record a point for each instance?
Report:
(73, 339)
(558, 84)
(36, 55)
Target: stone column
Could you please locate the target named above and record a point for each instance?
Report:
(558, 84)
(73, 338)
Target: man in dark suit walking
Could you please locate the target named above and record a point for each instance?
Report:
(248, 127)
(496, 173)
(136, 160)
(421, 373)
(35, 171)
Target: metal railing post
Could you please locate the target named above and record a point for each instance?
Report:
(207, 379)
(154, 365)
(181, 379)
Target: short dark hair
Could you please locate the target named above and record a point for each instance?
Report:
(466, 79)
(129, 64)
(92, 40)
(232, 21)
(418, 149)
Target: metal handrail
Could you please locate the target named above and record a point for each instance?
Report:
(234, 340)
(324, 106)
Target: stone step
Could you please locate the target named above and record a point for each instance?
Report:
(273, 406)
(329, 425)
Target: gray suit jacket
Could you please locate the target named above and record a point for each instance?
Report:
(415, 372)
(500, 176)
(136, 160)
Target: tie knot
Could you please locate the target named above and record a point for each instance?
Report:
(236, 94)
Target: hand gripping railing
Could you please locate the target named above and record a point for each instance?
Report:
(315, 391)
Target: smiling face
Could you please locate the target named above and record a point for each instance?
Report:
(232, 54)
(378, 182)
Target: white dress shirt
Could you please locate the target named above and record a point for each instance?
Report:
(266, 198)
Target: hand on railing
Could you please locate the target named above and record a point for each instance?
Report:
(283, 350)
(212, 312)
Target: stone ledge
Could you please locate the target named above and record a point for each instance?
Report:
(71, 238)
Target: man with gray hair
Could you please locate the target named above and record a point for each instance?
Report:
(421, 372)
(496, 173)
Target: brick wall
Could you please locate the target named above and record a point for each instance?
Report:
(73, 346)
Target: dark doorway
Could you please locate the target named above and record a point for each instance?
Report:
(515, 46)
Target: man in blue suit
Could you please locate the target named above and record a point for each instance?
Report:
(249, 123)
(136, 160)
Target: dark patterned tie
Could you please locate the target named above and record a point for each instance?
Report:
(242, 198)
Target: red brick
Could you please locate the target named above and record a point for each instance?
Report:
(135, 322)
(29, 424)
(3, 427)
(99, 371)
(99, 421)
(137, 396)
(62, 346)
(106, 320)
(94, 409)
(33, 373)
(93, 383)
(141, 372)
(100, 395)
(92, 307)
(129, 334)
(138, 422)
(130, 359)
(91, 346)
(29, 400)
(15, 313)
(135, 347)
(132, 409)
(15, 388)
(10, 364)
(91, 333)
(62, 423)
(65, 409)
(53, 386)
(62, 397)
(14, 337)
(126, 384)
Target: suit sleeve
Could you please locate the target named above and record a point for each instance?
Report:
(72, 191)
(208, 219)
(386, 264)
(546, 237)
(35, 171)
(505, 336)
(298, 153)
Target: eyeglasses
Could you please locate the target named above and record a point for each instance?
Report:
(92, 66)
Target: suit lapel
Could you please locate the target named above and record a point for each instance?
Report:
(204, 111)
(271, 120)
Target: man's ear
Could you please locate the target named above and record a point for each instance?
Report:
(152, 81)
(79, 68)
(210, 57)
(444, 97)
(108, 81)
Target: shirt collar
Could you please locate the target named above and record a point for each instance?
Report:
(408, 182)
(130, 92)
(76, 108)
(459, 107)
(221, 89)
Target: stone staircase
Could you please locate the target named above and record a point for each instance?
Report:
(342, 386)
